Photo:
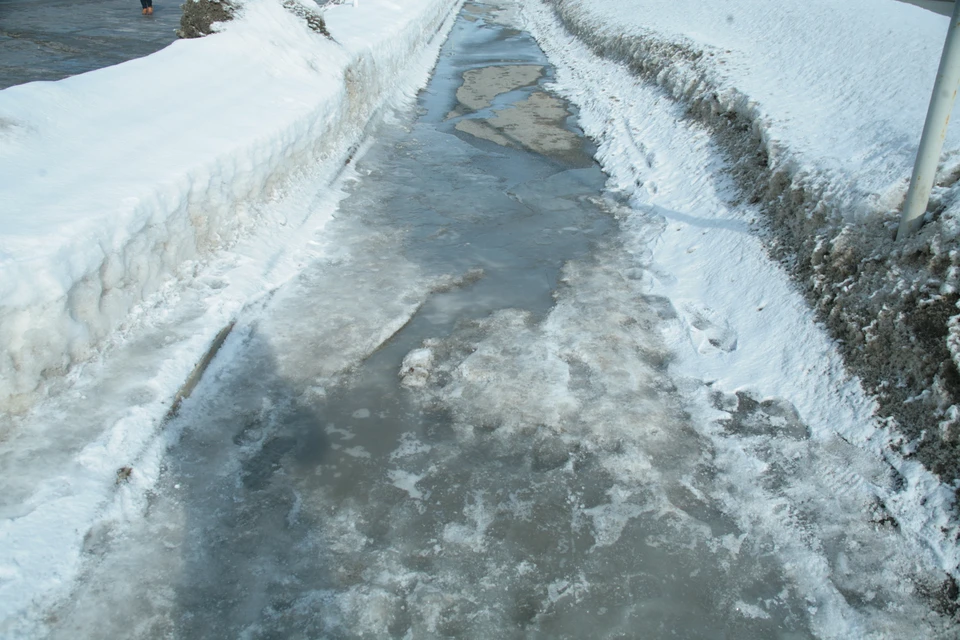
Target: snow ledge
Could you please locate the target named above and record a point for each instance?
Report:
(101, 209)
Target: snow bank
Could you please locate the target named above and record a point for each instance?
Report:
(820, 106)
(114, 180)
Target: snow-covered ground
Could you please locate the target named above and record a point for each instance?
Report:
(839, 88)
(125, 247)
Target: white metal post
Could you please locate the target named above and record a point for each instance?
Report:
(934, 131)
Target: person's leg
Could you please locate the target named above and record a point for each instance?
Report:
(149, 7)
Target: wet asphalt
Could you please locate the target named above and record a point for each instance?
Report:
(54, 39)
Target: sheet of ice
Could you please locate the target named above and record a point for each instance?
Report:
(777, 528)
(608, 497)
(252, 411)
(219, 169)
(265, 368)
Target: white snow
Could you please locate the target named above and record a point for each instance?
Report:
(416, 367)
(406, 481)
(478, 511)
(610, 519)
(409, 446)
(820, 107)
(750, 610)
(114, 181)
(840, 89)
(357, 452)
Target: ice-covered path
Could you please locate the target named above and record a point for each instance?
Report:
(495, 408)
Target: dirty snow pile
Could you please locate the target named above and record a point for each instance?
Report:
(819, 105)
(143, 207)
(115, 181)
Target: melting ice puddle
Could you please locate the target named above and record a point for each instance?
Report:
(461, 426)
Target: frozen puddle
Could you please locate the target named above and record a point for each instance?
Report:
(462, 425)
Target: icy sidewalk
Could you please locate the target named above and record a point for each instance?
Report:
(531, 470)
(592, 434)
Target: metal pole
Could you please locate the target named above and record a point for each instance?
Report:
(934, 131)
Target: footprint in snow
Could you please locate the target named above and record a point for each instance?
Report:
(709, 331)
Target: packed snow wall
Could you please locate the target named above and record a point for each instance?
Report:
(118, 181)
(891, 306)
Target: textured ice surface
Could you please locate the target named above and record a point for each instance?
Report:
(251, 422)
